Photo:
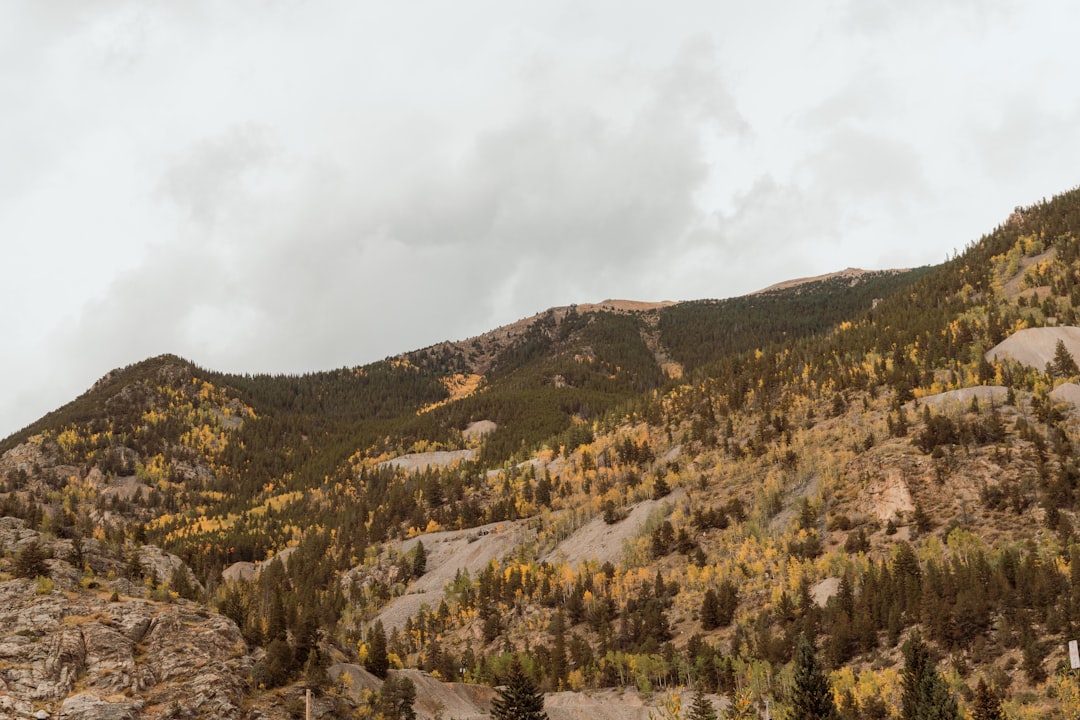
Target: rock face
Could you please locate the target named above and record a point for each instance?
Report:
(162, 564)
(70, 652)
(87, 706)
(887, 496)
(1067, 393)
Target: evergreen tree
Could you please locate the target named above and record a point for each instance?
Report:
(702, 708)
(419, 564)
(180, 581)
(559, 667)
(315, 674)
(276, 667)
(133, 569)
(377, 662)
(660, 488)
(986, 706)
(543, 491)
(925, 694)
(76, 556)
(728, 597)
(30, 562)
(710, 610)
(1032, 657)
(276, 622)
(396, 699)
(811, 697)
(1064, 365)
(611, 513)
(923, 522)
(519, 698)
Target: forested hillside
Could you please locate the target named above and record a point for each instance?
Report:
(658, 497)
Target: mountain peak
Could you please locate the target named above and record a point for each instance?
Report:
(851, 274)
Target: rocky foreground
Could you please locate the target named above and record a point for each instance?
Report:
(81, 642)
(77, 647)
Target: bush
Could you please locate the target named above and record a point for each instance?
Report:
(839, 522)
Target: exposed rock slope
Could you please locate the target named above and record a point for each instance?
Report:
(72, 652)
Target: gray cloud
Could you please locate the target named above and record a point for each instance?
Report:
(282, 187)
(216, 173)
(857, 165)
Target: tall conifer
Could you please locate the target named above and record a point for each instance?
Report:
(811, 696)
(702, 708)
(519, 699)
(925, 694)
(377, 662)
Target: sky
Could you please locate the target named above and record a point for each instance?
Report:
(288, 186)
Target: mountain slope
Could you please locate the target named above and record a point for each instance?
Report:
(797, 475)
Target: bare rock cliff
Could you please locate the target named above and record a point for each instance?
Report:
(69, 651)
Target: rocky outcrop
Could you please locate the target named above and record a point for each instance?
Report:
(160, 564)
(72, 652)
(87, 706)
(155, 562)
(887, 496)
(248, 571)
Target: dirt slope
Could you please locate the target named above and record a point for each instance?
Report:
(433, 697)
(464, 701)
(447, 553)
(417, 462)
(614, 704)
(1035, 346)
(961, 399)
(604, 543)
(451, 551)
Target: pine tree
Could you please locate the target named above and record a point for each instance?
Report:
(180, 581)
(710, 610)
(811, 697)
(702, 708)
(396, 699)
(986, 706)
(519, 698)
(315, 674)
(1064, 365)
(559, 667)
(925, 694)
(377, 662)
(30, 562)
(728, 600)
(419, 564)
(660, 489)
(276, 625)
(1032, 657)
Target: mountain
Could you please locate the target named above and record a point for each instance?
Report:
(624, 494)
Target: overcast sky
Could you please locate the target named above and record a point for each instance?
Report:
(285, 186)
